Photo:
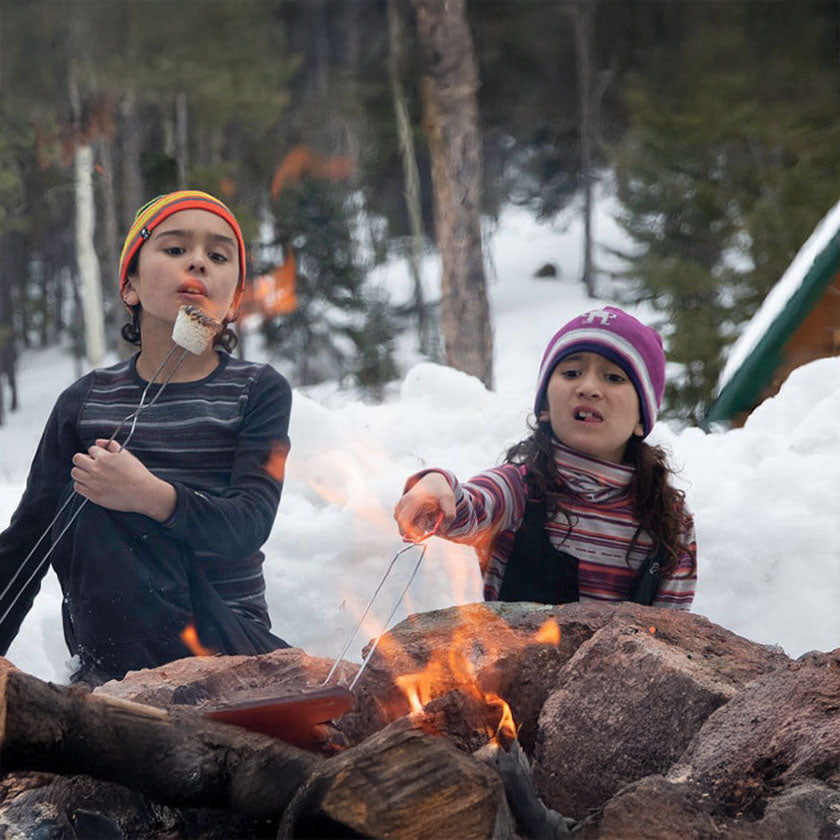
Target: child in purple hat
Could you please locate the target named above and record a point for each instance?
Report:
(582, 509)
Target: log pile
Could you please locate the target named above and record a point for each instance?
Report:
(632, 723)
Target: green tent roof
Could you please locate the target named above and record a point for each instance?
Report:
(744, 382)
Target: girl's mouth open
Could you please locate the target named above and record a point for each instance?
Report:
(587, 415)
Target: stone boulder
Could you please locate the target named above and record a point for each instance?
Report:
(657, 809)
(781, 731)
(630, 700)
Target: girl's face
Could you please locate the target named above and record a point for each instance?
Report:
(593, 406)
(191, 257)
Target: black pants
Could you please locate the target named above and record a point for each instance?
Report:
(130, 590)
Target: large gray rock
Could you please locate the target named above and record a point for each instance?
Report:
(631, 699)
(780, 731)
(657, 809)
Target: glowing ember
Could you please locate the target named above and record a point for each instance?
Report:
(549, 633)
(189, 636)
(652, 630)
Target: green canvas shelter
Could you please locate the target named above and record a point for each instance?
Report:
(798, 321)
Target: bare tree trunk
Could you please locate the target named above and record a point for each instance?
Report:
(112, 242)
(449, 85)
(582, 17)
(411, 177)
(132, 178)
(181, 124)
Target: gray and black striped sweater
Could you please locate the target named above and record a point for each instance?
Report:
(211, 439)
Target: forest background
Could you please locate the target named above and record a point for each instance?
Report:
(336, 130)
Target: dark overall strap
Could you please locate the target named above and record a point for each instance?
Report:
(536, 570)
(646, 584)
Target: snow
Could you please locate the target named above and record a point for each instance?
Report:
(779, 296)
(766, 498)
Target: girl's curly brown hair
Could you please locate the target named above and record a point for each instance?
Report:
(659, 507)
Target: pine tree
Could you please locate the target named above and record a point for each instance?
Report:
(324, 336)
(724, 171)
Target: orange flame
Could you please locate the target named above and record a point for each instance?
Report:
(506, 731)
(449, 667)
(189, 636)
(272, 294)
(302, 160)
(549, 633)
(275, 464)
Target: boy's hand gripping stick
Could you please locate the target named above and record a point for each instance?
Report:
(194, 332)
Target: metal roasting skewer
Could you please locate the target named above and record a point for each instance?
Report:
(133, 416)
(416, 543)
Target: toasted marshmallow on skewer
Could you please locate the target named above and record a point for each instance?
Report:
(194, 330)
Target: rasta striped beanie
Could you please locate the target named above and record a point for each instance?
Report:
(622, 339)
(150, 215)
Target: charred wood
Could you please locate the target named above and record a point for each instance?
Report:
(178, 759)
(400, 783)
(533, 818)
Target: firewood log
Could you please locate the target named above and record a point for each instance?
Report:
(176, 758)
(400, 783)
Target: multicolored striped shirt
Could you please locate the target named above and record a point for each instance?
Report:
(599, 534)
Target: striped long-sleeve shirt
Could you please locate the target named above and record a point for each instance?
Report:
(211, 439)
(596, 495)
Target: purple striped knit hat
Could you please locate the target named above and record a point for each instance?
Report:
(622, 339)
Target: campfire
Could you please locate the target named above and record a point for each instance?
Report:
(408, 749)
(484, 720)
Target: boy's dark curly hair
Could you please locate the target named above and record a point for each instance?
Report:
(659, 507)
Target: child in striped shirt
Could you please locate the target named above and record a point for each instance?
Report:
(171, 527)
(583, 506)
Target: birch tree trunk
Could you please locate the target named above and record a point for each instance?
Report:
(88, 262)
(449, 85)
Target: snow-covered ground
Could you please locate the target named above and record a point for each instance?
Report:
(766, 498)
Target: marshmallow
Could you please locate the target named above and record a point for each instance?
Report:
(194, 330)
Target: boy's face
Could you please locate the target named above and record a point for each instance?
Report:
(593, 406)
(191, 257)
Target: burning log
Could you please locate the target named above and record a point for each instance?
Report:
(533, 818)
(176, 758)
(400, 783)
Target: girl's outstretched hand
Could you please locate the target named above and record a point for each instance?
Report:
(117, 480)
(418, 509)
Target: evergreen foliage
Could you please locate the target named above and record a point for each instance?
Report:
(718, 117)
(335, 331)
(726, 167)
